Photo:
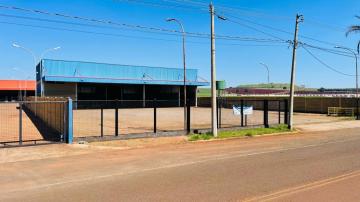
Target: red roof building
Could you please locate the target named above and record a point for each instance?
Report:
(17, 85)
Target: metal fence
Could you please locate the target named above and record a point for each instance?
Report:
(126, 117)
(118, 117)
(247, 113)
(30, 122)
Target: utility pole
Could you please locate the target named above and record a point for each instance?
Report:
(299, 18)
(213, 75)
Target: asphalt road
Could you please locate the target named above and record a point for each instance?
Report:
(322, 166)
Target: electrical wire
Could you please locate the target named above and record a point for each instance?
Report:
(141, 27)
(161, 5)
(255, 29)
(280, 30)
(130, 36)
(332, 51)
(326, 65)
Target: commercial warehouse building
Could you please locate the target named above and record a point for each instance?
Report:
(14, 90)
(98, 81)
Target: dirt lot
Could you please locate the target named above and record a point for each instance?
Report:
(9, 124)
(88, 122)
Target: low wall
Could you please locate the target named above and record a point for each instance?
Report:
(301, 104)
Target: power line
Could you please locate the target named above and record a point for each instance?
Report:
(161, 5)
(251, 39)
(130, 36)
(332, 51)
(282, 31)
(140, 27)
(326, 65)
(255, 29)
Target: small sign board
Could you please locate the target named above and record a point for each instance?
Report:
(247, 110)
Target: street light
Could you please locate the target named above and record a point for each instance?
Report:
(35, 60)
(49, 50)
(356, 75)
(15, 45)
(27, 77)
(268, 72)
(184, 63)
(41, 73)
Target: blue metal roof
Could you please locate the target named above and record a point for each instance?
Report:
(90, 72)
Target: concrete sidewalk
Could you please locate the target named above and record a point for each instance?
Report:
(328, 126)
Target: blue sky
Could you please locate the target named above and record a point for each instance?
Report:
(237, 61)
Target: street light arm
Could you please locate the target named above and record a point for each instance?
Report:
(177, 21)
(267, 68)
(48, 50)
(27, 50)
(348, 49)
(268, 71)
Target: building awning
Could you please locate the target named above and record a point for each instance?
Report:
(89, 72)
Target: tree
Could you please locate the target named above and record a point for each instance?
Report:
(354, 29)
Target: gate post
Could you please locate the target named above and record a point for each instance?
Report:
(188, 122)
(20, 124)
(69, 121)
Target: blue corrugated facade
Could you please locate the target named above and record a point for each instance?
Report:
(89, 72)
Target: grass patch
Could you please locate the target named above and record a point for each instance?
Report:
(240, 133)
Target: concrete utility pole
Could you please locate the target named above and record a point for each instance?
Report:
(213, 75)
(299, 18)
(356, 80)
(184, 63)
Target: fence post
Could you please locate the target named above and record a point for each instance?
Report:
(242, 113)
(69, 121)
(102, 121)
(279, 112)
(217, 112)
(188, 109)
(286, 111)
(266, 113)
(116, 118)
(20, 124)
(154, 104)
(220, 106)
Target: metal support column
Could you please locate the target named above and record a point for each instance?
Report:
(155, 109)
(116, 118)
